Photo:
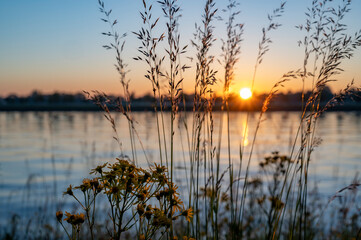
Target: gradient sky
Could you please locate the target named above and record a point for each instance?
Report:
(52, 45)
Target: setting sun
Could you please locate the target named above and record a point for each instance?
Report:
(245, 93)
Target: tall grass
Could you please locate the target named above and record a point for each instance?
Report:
(248, 207)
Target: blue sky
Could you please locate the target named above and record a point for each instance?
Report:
(56, 44)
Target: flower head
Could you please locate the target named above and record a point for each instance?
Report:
(176, 203)
(59, 215)
(74, 219)
(98, 169)
(188, 214)
(69, 191)
(79, 218)
(140, 209)
(69, 217)
(159, 169)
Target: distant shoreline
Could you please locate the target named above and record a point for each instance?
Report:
(146, 106)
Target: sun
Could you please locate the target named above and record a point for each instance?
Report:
(245, 93)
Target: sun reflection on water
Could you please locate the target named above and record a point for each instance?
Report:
(245, 131)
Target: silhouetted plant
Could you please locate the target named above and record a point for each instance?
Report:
(137, 198)
(273, 205)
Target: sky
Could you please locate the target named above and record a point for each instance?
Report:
(56, 45)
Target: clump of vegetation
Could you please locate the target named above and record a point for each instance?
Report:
(142, 199)
(228, 203)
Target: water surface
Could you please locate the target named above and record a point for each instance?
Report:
(41, 153)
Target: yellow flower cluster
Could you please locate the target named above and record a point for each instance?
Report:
(127, 186)
(73, 219)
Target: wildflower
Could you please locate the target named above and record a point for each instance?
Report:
(59, 215)
(143, 194)
(85, 186)
(82, 187)
(123, 164)
(99, 188)
(98, 169)
(79, 218)
(140, 209)
(69, 191)
(160, 220)
(159, 169)
(188, 214)
(110, 177)
(75, 219)
(176, 203)
(141, 197)
(94, 183)
(148, 213)
(162, 179)
(69, 217)
(172, 190)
